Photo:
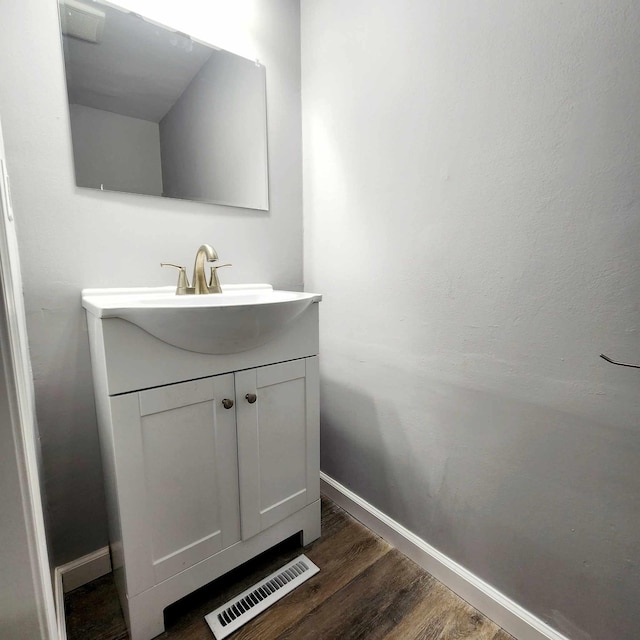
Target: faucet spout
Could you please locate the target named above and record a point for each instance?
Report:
(199, 279)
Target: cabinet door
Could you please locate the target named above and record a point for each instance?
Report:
(278, 442)
(180, 457)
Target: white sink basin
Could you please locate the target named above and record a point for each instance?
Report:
(241, 318)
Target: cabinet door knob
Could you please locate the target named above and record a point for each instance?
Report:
(227, 404)
(251, 398)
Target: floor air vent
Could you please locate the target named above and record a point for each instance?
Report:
(231, 616)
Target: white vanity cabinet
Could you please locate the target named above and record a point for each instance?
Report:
(208, 459)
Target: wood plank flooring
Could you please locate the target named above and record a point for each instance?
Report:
(366, 590)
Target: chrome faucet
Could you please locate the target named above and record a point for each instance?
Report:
(199, 282)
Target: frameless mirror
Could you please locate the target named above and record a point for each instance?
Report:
(156, 112)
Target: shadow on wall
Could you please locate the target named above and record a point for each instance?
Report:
(70, 446)
(533, 500)
(358, 459)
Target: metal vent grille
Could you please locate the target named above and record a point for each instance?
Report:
(232, 615)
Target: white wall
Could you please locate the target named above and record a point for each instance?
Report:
(72, 238)
(115, 152)
(472, 218)
(214, 141)
(26, 595)
(19, 614)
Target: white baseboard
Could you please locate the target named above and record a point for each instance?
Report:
(506, 613)
(83, 570)
(74, 574)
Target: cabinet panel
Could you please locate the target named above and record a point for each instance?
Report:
(275, 442)
(181, 476)
(282, 440)
(187, 464)
(174, 396)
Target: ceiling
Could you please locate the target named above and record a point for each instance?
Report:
(139, 69)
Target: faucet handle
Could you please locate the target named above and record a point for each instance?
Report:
(214, 282)
(183, 283)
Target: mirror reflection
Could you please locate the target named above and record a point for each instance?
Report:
(155, 112)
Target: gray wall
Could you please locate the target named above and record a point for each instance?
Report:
(213, 139)
(472, 218)
(115, 152)
(72, 238)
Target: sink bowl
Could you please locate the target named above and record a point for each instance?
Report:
(240, 318)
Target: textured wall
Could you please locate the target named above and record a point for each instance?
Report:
(472, 218)
(72, 238)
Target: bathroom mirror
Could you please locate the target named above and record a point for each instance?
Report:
(155, 112)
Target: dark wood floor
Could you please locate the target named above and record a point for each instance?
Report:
(365, 590)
